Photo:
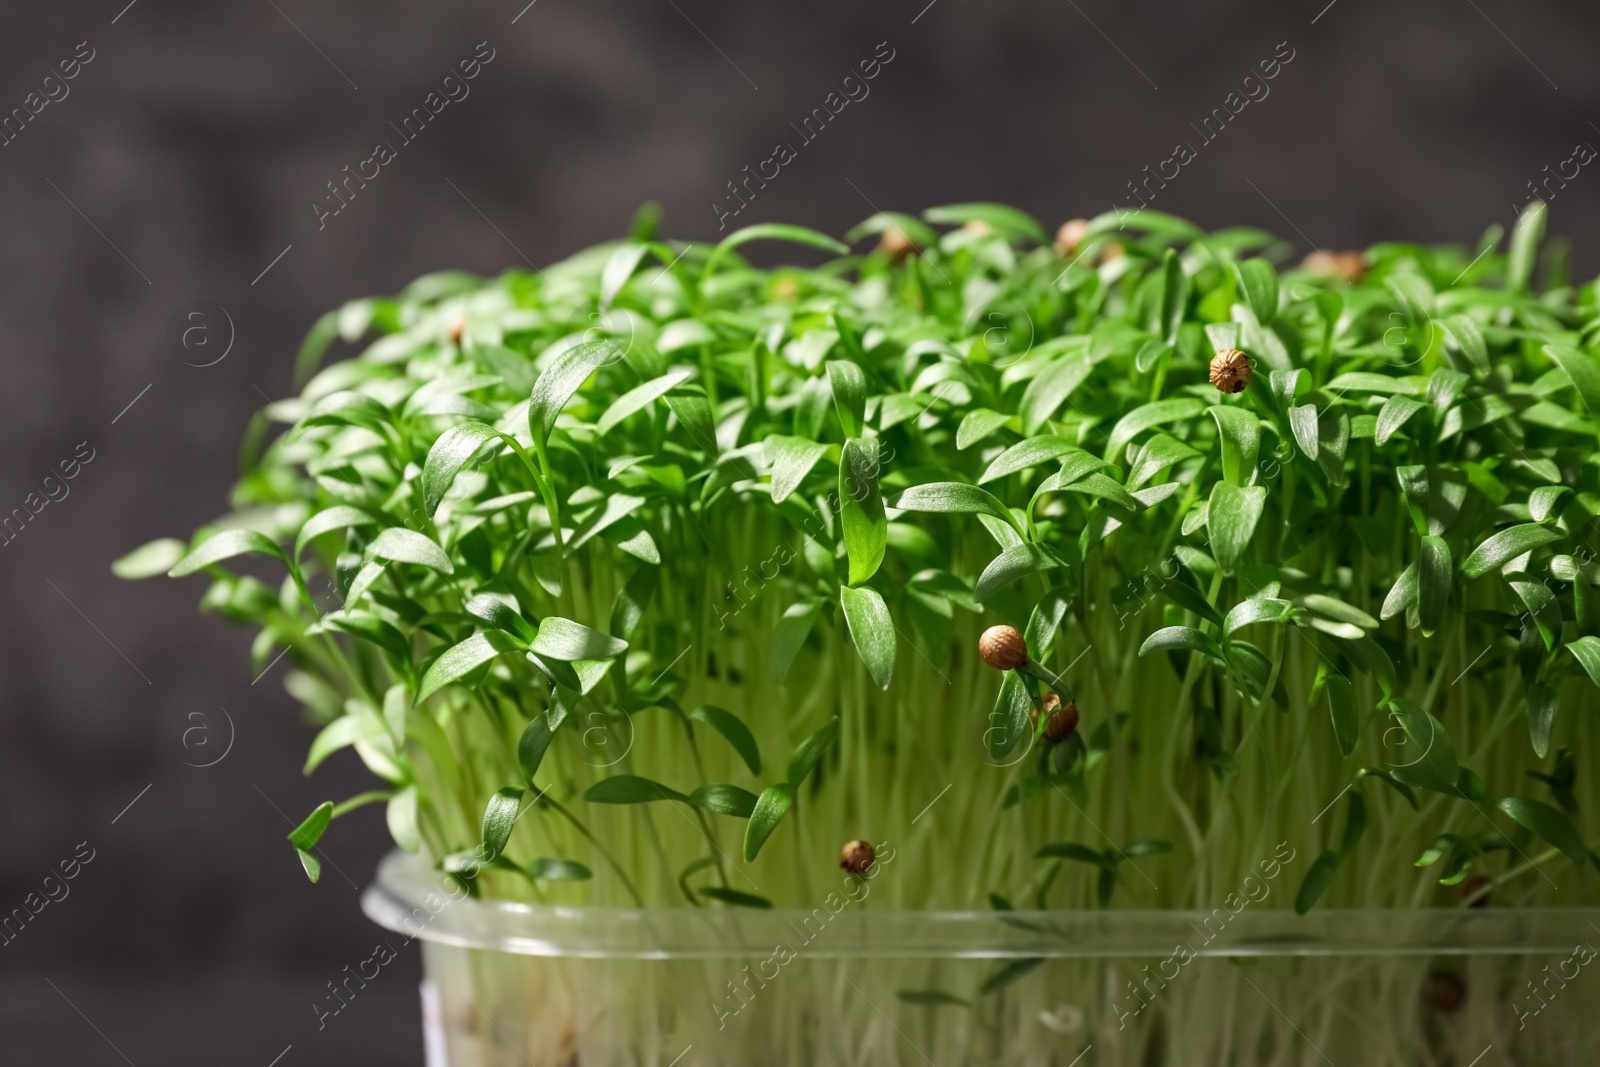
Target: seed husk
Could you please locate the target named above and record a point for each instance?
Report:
(1230, 371)
(1003, 648)
(1069, 238)
(1060, 721)
(857, 856)
(896, 245)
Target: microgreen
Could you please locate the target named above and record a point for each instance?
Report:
(539, 516)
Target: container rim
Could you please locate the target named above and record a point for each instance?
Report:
(411, 898)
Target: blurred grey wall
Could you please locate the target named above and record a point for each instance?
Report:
(181, 162)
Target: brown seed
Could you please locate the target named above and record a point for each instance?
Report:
(896, 245)
(1351, 266)
(785, 288)
(1475, 890)
(1112, 251)
(1230, 371)
(856, 857)
(978, 226)
(456, 329)
(1060, 722)
(1070, 237)
(1003, 648)
(1445, 992)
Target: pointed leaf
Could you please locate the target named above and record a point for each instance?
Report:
(733, 729)
(561, 379)
(871, 629)
(861, 515)
(771, 806)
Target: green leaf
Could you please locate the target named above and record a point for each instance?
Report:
(1333, 608)
(1550, 824)
(559, 870)
(861, 515)
(1254, 610)
(225, 545)
(401, 816)
(771, 806)
(1025, 454)
(733, 729)
(1583, 370)
(561, 379)
(1586, 650)
(400, 545)
(308, 833)
(1524, 251)
(1181, 639)
(1044, 621)
(1469, 338)
(316, 342)
(349, 408)
(1143, 847)
(568, 641)
(1016, 562)
(871, 629)
(1007, 221)
(1102, 487)
(1316, 882)
(1307, 434)
(1258, 281)
(1007, 974)
(790, 460)
(1433, 582)
(462, 659)
(1050, 388)
(1342, 710)
(498, 613)
(630, 789)
(640, 397)
(498, 819)
(1232, 520)
(1500, 548)
(790, 636)
(957, 497)
(147, 561)
(977, 425)
(771, 231)
(1396, 410)
(618, 269)
(1239, 431)
(1179, 590)
(1435, 767)
(1174, 296)
(735, 898)
(724, 799)
(810, 751)
(849, 386)
(1071, 850)
(1157, 454)
(1145, 416)
(693, 410)
(339, 517)
(371, 628)
(340, 733)
(1008, 723)
(454, 449)
(532, 746)
(1543, 702)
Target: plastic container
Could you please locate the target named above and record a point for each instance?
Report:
(850, 984)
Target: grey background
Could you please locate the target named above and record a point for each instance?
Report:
(191, 149)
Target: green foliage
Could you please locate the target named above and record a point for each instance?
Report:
(535, 518)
